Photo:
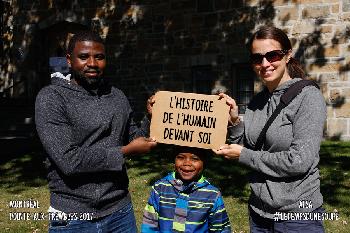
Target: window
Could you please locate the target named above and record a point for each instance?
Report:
(242, 85)
(203, 82)
(202, 79)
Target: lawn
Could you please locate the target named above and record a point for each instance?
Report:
(23, 178)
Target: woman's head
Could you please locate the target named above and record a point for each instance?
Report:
(268, 32)
(271, 58)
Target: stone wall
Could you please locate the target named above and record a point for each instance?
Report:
(321, 29)
(154, 44)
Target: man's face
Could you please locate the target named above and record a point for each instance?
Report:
(188, 166)
(88, 61)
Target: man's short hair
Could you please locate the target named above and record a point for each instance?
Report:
(83, 36)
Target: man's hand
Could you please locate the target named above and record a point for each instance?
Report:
(233, 112)
(139, 145)
(232, 151)
(150, 102)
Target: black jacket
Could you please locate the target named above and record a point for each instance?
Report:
(83, 133)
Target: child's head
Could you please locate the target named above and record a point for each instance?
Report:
(189, 163)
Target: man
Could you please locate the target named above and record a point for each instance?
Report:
(86, 128)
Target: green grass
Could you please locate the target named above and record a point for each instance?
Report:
(23, 177)
(335, 183)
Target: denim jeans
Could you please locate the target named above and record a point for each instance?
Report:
(121, 221)
(259, 224)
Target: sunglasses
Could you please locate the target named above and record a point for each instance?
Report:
(272, 56)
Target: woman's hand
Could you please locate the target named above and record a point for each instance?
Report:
(233, 112)
(232, 151)
(150, 103)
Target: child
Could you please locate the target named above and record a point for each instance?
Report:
(184, 201)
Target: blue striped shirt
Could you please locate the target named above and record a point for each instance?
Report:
(173, 207)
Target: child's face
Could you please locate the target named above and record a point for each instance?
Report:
(188, 166)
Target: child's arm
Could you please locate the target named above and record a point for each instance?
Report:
(150, 214)
(218, 218)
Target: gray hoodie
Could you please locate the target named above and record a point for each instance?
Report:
(82, 133)
(285, 172)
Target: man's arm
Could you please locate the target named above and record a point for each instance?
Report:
(56, 135)
(137, 139)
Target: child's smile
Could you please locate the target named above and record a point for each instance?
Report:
(188, 166)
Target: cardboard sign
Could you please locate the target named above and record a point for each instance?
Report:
(188, 119)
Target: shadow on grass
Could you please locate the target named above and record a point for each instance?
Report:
(22, 168)
(21, 165)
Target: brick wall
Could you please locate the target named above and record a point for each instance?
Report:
(154, 44)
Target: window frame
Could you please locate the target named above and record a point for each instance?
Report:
(236, 68)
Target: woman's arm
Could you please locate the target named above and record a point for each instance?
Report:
(308, 126)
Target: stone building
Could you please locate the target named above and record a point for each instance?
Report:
(179, 45)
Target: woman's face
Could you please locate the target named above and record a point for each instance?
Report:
(271, 73)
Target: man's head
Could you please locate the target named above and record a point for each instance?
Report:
(86, 58)
(189, 163)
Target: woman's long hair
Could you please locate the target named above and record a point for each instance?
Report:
(295, 70)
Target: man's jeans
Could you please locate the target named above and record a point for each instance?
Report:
(121, 221)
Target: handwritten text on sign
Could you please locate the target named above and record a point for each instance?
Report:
(189, 119)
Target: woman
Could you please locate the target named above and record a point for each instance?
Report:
(285, 175)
